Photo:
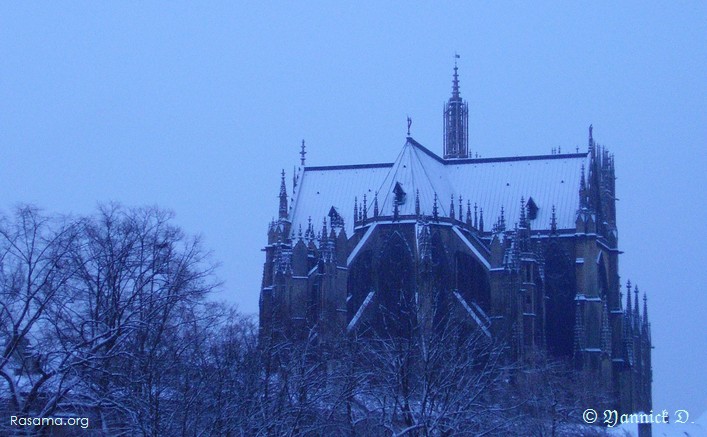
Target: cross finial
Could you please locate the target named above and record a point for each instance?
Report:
(302, 153)
(409, 124)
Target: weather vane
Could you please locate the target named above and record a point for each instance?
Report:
(409, 124)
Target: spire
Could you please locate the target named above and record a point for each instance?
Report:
(636, 313)
(645, 326)
(456, 122)
(451, 208)
(476, 216)
(502, 222)
(301, 154)
(523, 220)
(324, 232)
(481, 220)
(582, 191)
(375, 204)
(455, 80)
(283, 197)
(628, 327)
(417, 203)
(355, 209)
(553, 221)
(629, 307)
(461, 212)
(435, 211)
(299, 233)
(468, 213)
(365, 207)
(309, 233)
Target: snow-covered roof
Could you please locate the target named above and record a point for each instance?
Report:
(490, 183)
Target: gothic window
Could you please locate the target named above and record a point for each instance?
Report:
(396, 284)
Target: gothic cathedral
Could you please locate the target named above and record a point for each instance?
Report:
(524, 248)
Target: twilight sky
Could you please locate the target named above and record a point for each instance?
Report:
(197, 108)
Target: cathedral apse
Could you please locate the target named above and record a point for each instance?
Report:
(521, 248)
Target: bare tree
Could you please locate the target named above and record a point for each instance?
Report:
(35, 271)
(136, 276)
(442, 381)
(553, 394)
(93, 312)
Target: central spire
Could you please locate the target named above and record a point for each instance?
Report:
(455, 81)
(456, 122)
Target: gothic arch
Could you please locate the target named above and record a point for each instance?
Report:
(560, 292)
(360, 282)
(396, 285)
(471, 279)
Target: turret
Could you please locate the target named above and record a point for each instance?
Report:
(456, 122)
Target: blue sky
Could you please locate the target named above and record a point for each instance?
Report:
(196, 108)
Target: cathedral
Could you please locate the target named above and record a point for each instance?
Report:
(524, 248)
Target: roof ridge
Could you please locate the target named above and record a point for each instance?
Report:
(347, 166)
(514, 158)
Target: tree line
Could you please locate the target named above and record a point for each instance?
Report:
(108, 316)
